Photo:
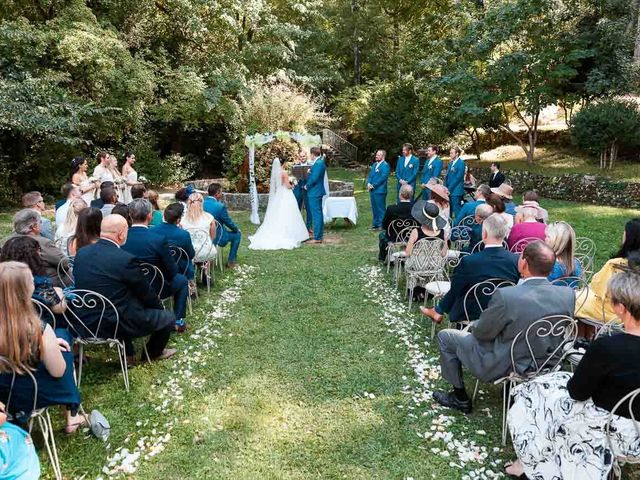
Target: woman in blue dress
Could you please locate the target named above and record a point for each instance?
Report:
(18, 458)
(562, 238)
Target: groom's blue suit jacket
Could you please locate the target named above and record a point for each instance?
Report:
(315, 180)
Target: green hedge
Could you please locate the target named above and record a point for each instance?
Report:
(571, 186)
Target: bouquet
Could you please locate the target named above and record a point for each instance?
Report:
(143, 179)
(293, 180)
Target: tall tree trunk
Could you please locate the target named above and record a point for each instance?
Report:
(636, 51)
(357, 75)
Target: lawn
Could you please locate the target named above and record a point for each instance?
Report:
(302, 364)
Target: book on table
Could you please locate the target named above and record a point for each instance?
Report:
(301, 172)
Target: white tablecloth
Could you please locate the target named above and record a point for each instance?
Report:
(341, 207)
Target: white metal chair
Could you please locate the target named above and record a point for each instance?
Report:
(521, 244)
(87, 305)
(179, 254)
(624, 407)
(219, 248)
(398, 234)
(203, 259)
(460, 237)
(65, 271)
(44, 312)
(585, 254)
(425, 264)
(468, 221)
(40, 415)
(537, 350)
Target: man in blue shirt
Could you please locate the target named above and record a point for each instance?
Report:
(229, 233)
(469, 208)
(506, 194)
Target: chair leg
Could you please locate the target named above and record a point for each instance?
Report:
(122, 354)
(506, 400)
(46, 427)
(475, 390)
(80, 362)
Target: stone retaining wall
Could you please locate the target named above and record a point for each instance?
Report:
(242, 201)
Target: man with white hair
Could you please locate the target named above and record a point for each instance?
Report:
(493, 261)
(29, 222)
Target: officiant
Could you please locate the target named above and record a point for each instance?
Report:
(301, 180)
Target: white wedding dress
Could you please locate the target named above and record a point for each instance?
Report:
(283, 227)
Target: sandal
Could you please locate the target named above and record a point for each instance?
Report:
(74, 427)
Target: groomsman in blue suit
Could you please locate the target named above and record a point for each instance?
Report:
(432, 169)
(299, 191)
(407, 169)
(315, 191)
(455, 181)
(377, 186)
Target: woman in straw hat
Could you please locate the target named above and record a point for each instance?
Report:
(431, 227)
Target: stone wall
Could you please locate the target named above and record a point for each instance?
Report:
(241, 201)
(571, 186)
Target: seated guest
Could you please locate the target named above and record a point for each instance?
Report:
(98, 202)
(483, 211)
(597, 305)
(122, 210)
(67, 229)
(106, 268)
(469, 179)
(27, 222)
(557, 420)
(109, 197)
(486, 350)
(427, 214)
(70, 192)
(20, 460)
(497, 178)
(182, 196)
(138, 191)
(400, 211)
(87, 230)
(491, 262)
(506, 194)
(469, 208)
(498, 207)
(530, 199)
(196, 219)
(229, 233)
(35, 201)
(32, 345)
(154, 198)
(440, 196)
(26, 249)
(562, 239)
(528, 228)
(177, 237)
(150, 247)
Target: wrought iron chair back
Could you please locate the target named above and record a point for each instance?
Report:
(585, 253)
(521, 244)
(179, 254)
(202, 243)
(460, 236)
(154, 277)
(426, 258)
(468, 221)
(398, 227)
(545, 342)
(65, 271)
(627, 406)
(83, 304)
(44, 312)
(480, 294)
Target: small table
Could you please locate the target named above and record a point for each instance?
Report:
(341, 207)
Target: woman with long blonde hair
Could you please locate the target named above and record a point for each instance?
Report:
(561, 237)
(202, 228)
(30, 345)
(68, 228)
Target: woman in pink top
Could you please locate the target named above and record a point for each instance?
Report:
(529, 228)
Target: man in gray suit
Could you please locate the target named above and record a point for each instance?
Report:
(486, 349)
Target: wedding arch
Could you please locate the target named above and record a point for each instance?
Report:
(257, 140)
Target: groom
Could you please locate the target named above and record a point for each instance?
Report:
(315, 192)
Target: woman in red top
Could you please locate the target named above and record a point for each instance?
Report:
(529, 228)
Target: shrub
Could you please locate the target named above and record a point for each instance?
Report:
(604, 127)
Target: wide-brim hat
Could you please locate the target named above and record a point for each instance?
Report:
(439, 189)
(504, 190)
(540, 211)
(427, 213)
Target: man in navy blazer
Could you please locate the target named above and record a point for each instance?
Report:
(150, 247)
(177, 237)
(494, 261)
(105, 268)
(229, 233)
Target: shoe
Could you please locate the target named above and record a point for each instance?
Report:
(231, 265)
(432, 314)
(132, 361)
(74, 427)
(166, 353)
(450, 400)
(181, 325)
(314, 241)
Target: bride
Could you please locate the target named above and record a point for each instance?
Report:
(283, 227)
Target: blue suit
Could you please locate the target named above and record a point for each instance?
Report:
(302, 198)
(468, 209)
(378, 177)
(315, 192)
(431, 170)
(177, 237)
(229, 233)
(150, 247)
(509, 207)
(409, 173)
(455, 184)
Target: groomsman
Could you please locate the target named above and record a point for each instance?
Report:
(377, 186)
(407, 169)
(315, 191)
(432, 169)
(455, 181)
(299, 191)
